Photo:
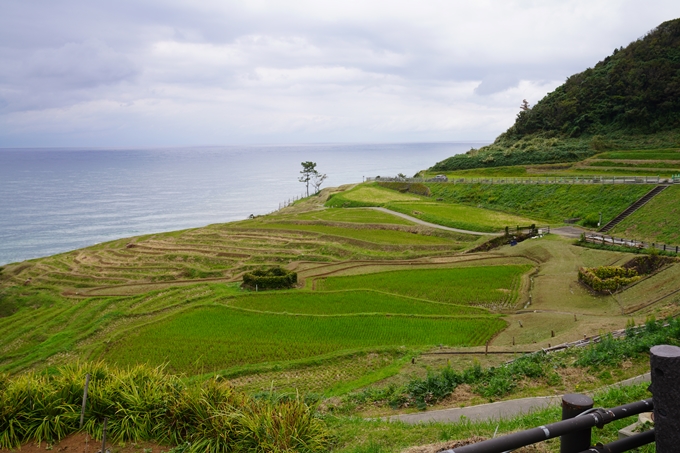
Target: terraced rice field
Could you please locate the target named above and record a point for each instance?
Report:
(486, 286)
(354, 215)
(348, 302)
(81, 300)
(211, 338)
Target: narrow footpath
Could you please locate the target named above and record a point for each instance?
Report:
(434, 225)
(500, 409)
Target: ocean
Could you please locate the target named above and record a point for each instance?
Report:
(56, 200)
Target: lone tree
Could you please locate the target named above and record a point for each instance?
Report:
(311, 175)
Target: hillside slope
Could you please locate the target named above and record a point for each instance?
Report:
(630, 99)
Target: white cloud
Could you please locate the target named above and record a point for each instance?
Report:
(176, 72)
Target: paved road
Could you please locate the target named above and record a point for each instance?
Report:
(568, 231)
(500, 409)
(434, 225)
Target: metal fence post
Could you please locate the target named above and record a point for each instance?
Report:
(574, 404)
(665, 368)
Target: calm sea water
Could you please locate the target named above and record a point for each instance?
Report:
(56, 200)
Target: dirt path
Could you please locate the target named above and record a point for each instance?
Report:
(498, 410)
(433, 225)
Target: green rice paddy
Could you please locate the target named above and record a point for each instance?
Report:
(213, 338)
(348, 302)
(378, 236)
(356, 215)
(484, 285)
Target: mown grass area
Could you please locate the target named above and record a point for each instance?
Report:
(212, 338)
(460, 216)
(357, 215)
(489, 286)
(348, 302)
(549, 202)
(656, 221)
(368, 195)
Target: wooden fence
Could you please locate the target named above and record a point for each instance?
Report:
(610, 240)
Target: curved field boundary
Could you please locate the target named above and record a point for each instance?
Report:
(433, 265)
(434, 225)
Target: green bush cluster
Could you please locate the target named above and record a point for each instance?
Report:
(437, 385)
(145, 404)
(502, 157)
(611, 351)
(607, 278)
(410, 187)
(273, 278)
(499, 381)
(490, 382)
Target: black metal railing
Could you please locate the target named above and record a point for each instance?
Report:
(579, 417)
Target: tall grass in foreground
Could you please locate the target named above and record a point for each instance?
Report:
(143, 403)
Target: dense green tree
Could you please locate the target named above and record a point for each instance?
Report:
(633, 92)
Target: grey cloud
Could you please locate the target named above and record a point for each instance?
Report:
(78, 65)
(361, 67)
(496, 82)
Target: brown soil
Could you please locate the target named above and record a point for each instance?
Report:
(83, 443)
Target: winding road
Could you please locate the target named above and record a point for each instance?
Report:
(434, 225)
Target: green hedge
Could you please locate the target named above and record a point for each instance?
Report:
(607, 278)
(410, 187)
(272, 278)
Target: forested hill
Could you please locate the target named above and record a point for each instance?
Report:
(634, 92)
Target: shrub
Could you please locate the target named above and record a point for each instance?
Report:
(404, 187)
(591, 221)
(145, 404)
(607, 278)
(273, 278)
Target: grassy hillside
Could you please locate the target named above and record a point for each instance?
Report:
(629, 100)
(657, 221)
(382, 310)
(548, 202)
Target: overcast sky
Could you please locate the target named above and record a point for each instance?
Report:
(173, 72)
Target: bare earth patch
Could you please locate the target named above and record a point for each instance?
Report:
(83, 443)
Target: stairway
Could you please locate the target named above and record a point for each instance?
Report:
(632, 208)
